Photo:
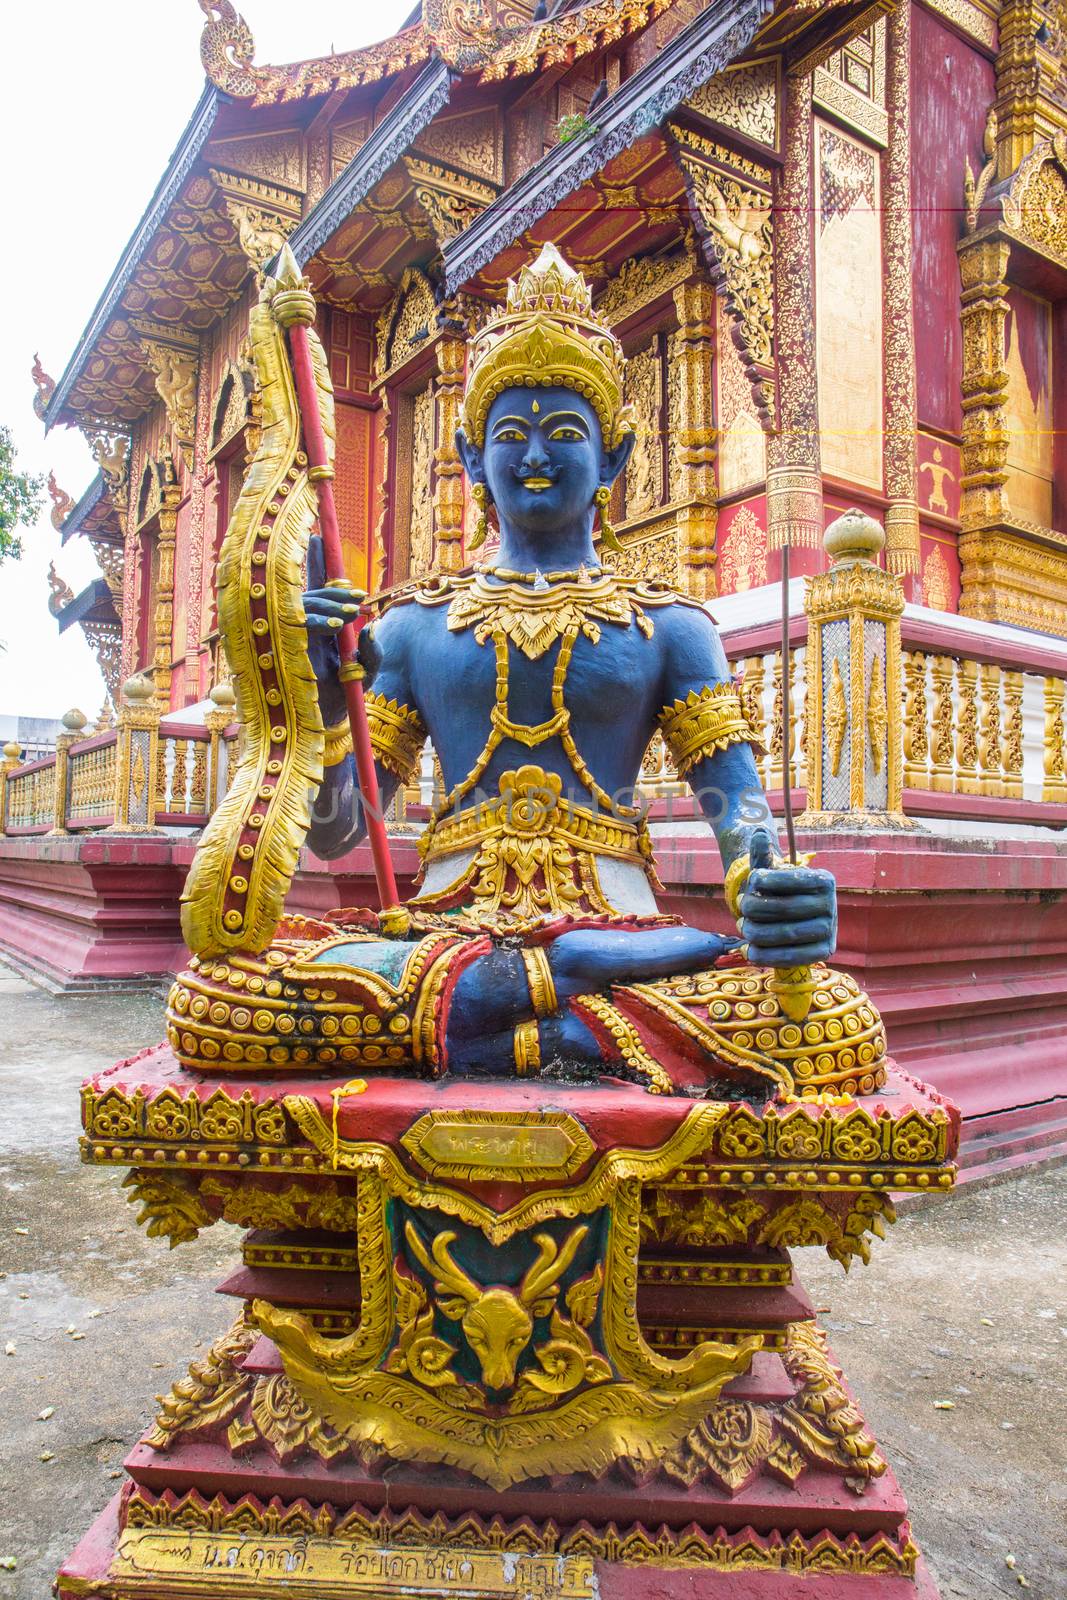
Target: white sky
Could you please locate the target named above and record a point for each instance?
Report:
(95, 98)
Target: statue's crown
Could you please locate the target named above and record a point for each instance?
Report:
(547, 335)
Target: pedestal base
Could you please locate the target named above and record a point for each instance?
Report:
(509, 1339)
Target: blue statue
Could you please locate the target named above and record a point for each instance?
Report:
(539, 680)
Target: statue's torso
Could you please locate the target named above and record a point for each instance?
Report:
(611, 693)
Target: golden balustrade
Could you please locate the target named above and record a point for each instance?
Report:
(975, 727)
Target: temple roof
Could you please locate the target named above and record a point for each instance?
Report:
(93, 605)
(241, 173)
(94, 513)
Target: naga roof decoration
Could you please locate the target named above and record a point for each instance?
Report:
(462, 33)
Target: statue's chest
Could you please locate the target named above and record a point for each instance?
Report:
(611, 682)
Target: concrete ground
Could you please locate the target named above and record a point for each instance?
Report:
(966, 1302)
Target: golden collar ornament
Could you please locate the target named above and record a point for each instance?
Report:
(534, 618)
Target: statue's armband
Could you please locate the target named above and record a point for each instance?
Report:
(707, 720)
(397, 736)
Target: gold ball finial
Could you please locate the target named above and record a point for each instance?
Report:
(223, 697)
(853, 536)
(139, 690)
(12, 751)
(74, 720)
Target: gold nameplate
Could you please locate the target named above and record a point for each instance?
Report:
(525, 1146)
(256, 1564)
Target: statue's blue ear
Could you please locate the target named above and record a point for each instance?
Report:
(612, 462)
(471, 456)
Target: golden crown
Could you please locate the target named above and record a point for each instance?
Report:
(547, 335)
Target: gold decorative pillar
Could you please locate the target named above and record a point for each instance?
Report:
(916, 736)
(794, 474)
(898, 323)
(1029, 104)
(74, 723)
(854, 704)
(135, 767)
(163, 622)
(1012, 741)
(448, 494)
(942, 749)
(1054, 786)
(692, 457)
(984, 451)
(989, 732)
(967, 729)
(11, 763)
(217, 720)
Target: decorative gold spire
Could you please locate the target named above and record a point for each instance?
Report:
(547, 335)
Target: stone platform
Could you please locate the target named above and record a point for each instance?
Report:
(666, 1415)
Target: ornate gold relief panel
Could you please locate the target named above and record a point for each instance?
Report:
(848, 306)
(644, 391)
(421, 492)
(745, 99)
(742, 441)
(1028, 406)
(851, 84)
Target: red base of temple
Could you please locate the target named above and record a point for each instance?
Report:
(962, 946)
(83, 913)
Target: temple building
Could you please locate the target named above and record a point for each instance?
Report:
(832, 238)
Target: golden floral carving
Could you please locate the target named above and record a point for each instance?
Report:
(211, 1393)
(738, 222)
(644, 470)
(836, 716)
(877, 714)
(745, 99)
(175, 373)
(936, 581)
(743, 562)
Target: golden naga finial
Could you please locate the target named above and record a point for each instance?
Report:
(227, 48)
(44, 385)
(62, 504)
(547, 335)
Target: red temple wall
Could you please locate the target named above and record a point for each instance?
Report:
(952, 90)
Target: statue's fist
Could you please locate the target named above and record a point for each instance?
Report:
(326, 610)
(788, 914)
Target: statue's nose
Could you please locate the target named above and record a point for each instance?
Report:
(536, 455)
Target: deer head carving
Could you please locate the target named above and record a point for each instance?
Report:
(497, 1321)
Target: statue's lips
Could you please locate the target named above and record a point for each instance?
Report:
(537, 484)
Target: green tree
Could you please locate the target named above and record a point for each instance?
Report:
(21, 498)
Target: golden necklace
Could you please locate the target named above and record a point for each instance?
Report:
(533, 619)
(582, 574)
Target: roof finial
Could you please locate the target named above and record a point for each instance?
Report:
(45, 386)
(227, 48)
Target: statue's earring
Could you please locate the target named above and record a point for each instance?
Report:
(480, 495)
(609, 538)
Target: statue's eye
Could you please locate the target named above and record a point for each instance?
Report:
(510, 436)
(567, 435)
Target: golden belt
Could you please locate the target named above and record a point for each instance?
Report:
(538, 813)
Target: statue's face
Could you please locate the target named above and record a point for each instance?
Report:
(544, 457)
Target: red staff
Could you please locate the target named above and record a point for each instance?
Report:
(294, 308)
